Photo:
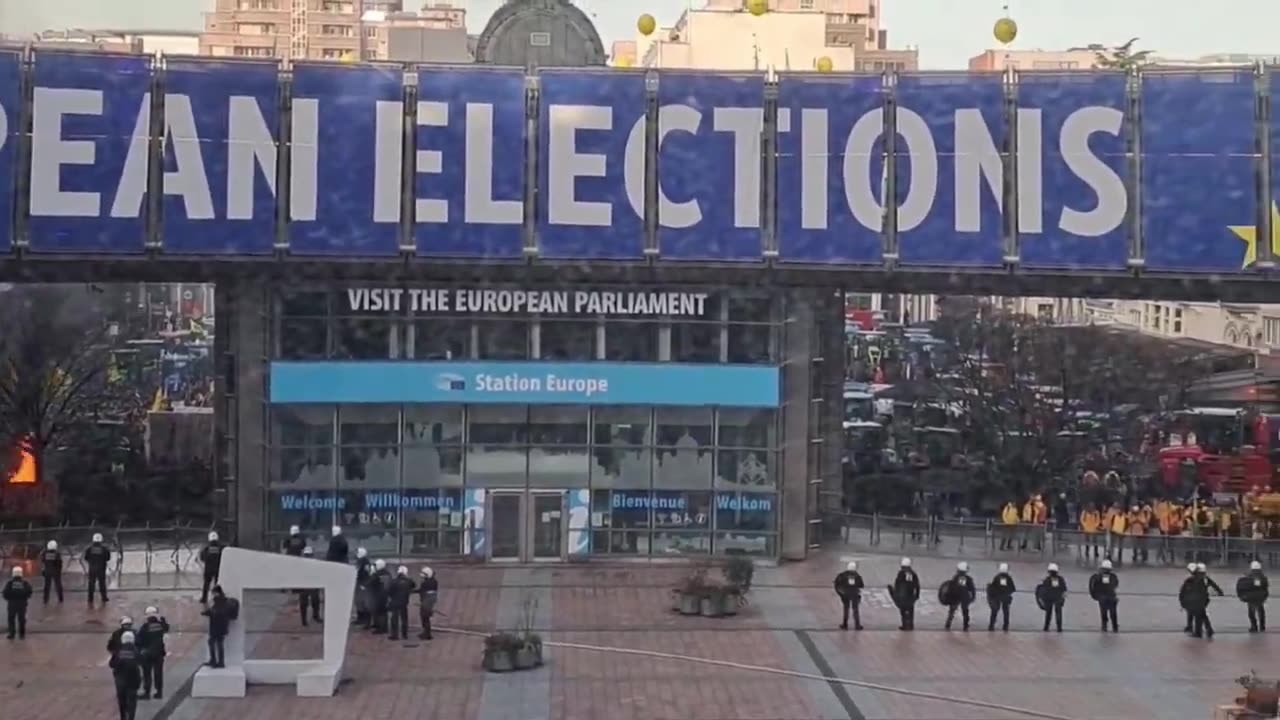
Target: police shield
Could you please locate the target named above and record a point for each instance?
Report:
(1042, 592)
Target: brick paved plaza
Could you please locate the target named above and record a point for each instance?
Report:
(1151, 670)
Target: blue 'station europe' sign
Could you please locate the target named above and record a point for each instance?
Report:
(1049, 180)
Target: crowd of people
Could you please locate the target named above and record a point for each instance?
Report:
(960, 591)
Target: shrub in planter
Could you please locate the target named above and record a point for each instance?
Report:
(528, 653)
(733, 599)
(739, 571)
(712, 602)
(500, 651)
(1260, 696)
(692, 590)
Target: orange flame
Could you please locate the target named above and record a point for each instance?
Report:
(25, 474)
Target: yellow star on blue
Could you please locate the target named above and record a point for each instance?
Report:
(1249, 234)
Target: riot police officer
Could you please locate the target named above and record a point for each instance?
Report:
(96, 557)
(295, 543)
(51, 570)
(1102, 588)
(1051, 595)
(364, 571)
(113, 642)
(959, 592)
(1000, 596)
(152, 650)
(338, 551)
(848, 586)
(398, 595)
(428, 592)
(1253, 590)
(905, 592)
(309, 597)
(379, 588)
(17, 593)
(126, 670)
(211, 559)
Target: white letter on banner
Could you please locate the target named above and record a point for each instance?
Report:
(188, 178)
(746, 124)
(677, 118)
(4, 127)
(479, 205)
(1030, 171)
(976, 159)
(431, 210)
(304, 159)
(814, 157)
(249, 141)
(49, 152)
(565, 165)
(633, 166)
(133, 176)
(388, 143)
(857, 169)
(1112, 199)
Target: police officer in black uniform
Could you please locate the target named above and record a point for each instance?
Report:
(220, 613)
(51, 570)
(428, 593)
(113, 642)
(848, 586)
(1253, 590)
(309, 596)
(126, 670)
(152, 650)
(1051, 595)
(211, 558)
(398, 603)
(1103, 587)
(1000, 596)
(295, 543)
(96, 557)
(364, 571)
(379, 587)
(338, 550)
(17, 593)
(905, 592)
(960, 592)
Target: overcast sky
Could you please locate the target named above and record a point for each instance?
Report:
(946, 36)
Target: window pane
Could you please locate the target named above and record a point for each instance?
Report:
(669, 542)
(559, 467)
(305, 304)
(750, 344)
(502, 339)
(498, 425)
(432, 424)
(753, 469)
(621, 467)
(432, 466)
(680, 427)
(558, 425)
(566, 340)
(303, 339)
(755, 544)
(302, 425)
(311, 511)
(302, 468)
(740, 427)
(685, 459)
(376, 467)
(369, 425)
(750, 309)
(622, 426)
(496, 466)
(363, 338)
(442, 339)
(631, 341)
(695, 342)
(746, 511)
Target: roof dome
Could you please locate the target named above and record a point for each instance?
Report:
(540, 33)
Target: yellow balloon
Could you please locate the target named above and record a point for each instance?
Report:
(757, 7)
(646, 24)
(1005, 30)
(622, 62)
(825, 64)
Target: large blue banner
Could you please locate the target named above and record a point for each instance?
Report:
(1072, 170)
(709, 166)
(1198, 161)
(525, 383)
(90, 137)
(829, 168)
(347, 145)
(591, 155)
(222, 126)
(470, 162)
(951, 135)
(10, 109)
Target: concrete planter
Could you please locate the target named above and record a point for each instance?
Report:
(690, 604)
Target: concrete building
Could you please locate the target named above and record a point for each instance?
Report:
(167, 42)
(1086, 58)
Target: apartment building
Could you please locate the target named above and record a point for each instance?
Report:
(317, 29)
(167, 42)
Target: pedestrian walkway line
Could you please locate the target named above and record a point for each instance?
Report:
(793, 673)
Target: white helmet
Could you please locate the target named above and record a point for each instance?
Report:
(1255, 565)
(151, 611)
(906, 562)
(213, 536)
(336, 531)
(380, 564)
(1053, 567)
(126, 620)
(126, 638)
(295, 530)
(1201, 567)
(962, 566)
(1191, 567)
(17, 571)
(852, 566)
(1003, 567)
(427, 572)
(51, 545)
(1106, 564)
(361, 552)
(97, 537)
(402, 571)
(307, 551)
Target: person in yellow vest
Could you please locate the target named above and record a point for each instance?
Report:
(1116, 530)
(1041, 520)
(1090, 523)
(1009, 518)
(1169, 520)
(1137, 529)
(1028, 521)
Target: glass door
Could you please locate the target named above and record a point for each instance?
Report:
(505, 526)
(547, 526)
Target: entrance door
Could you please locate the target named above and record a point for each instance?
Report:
(546, 523)
(506, 526)
(526, 525)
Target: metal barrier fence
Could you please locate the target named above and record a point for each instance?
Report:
(989, 538)
(137, 551)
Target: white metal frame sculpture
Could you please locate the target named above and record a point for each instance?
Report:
(243, 570)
